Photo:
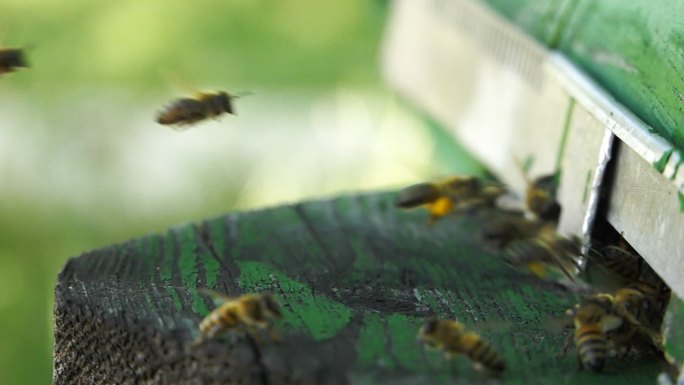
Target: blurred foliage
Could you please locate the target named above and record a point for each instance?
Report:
(275, 43)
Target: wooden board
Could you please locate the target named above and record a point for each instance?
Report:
(356, 278)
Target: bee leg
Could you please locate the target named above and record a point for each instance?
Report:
(538, 269)
(623, 353)
(198, 341)
(567, 345)
(580, 365)
(274, 335)
(253, 332)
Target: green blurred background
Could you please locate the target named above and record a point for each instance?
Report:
(83, 165)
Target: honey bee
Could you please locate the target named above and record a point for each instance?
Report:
(12, 59)
(540, 195)
(531, 243)
(641, 329)
(616, 323)
(593, 319)
(250, 312)
(454, 194)
(204, 105)
(540, 198)
(450, 336)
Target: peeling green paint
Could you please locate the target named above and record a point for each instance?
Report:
(166, 268)
(660, 164)
(403, 330)
(155, 244)
(674, 322)
(187, 264)
(587, 187)
(527, 164)
(372, 344)
(176, 299)
(209, 262)
(317, 315)
(363, 261)
(564, 137)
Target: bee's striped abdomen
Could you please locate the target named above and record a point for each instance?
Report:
(482, 352)
(591, 346)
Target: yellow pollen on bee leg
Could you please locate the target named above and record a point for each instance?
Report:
(537, 268)
(441, 207)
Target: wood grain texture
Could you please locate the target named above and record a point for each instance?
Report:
(635, 49)
(356, 278)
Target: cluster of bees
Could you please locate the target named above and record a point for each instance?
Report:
(179, 114)
(616, 323)
(607, 323)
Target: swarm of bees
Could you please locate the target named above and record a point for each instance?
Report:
(606, 323)
(451, 337)
(250, 313)
(526, 238)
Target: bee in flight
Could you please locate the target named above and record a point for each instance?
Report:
(451, 337)
(12, 59)
(250, 313)
(205, 105)
(540, 197)
(531, 243)
(454, 194)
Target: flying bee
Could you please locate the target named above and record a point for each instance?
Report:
(454, 194)
(12, 59)
(204, 105)
(531, 243)
(593, 318)
(540, 195)
(540, 198)
(250, 312)
(450, 336)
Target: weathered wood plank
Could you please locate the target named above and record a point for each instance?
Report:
(356, 278)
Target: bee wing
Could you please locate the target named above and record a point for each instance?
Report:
(218, 297)
(180, 84)
(180, 127)
(611, 322)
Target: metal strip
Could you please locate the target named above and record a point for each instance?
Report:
(605, 154)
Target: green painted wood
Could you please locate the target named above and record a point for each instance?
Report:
(635, 49)
(356, 278)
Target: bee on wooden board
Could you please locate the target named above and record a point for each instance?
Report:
(641, 329)
(451, 337)
(454, 194)
(204, 105)
(11, 59)
(250, 313)
(593, 319)
(616, 323)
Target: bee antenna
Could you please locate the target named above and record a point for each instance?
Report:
(241, 94)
